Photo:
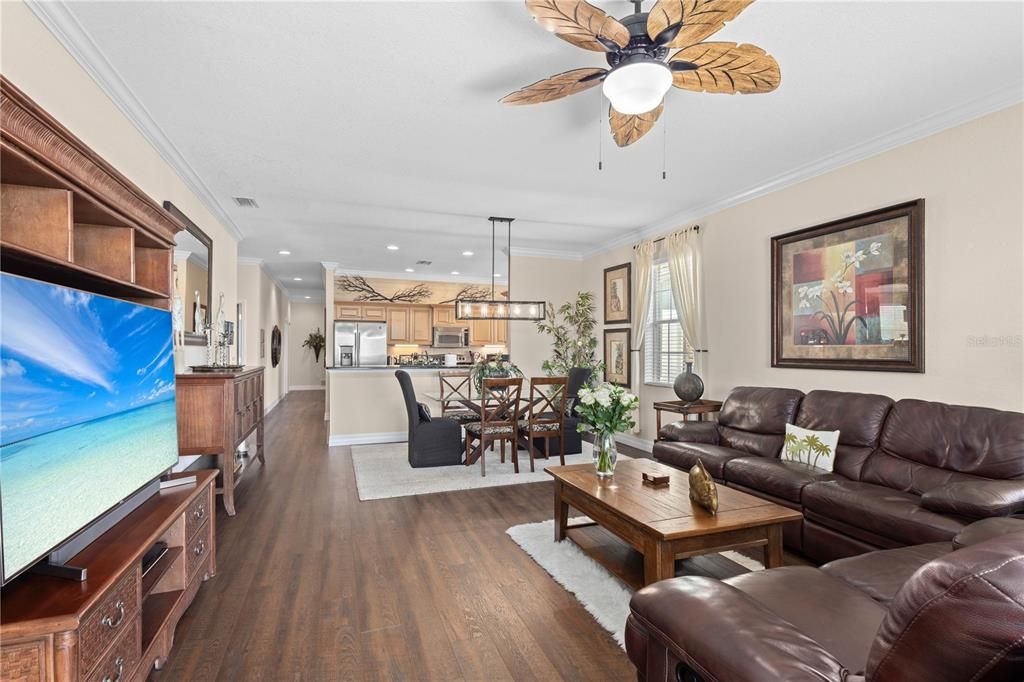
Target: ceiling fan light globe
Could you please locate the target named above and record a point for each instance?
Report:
(638, 87)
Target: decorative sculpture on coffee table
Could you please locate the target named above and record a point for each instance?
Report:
(703, 490)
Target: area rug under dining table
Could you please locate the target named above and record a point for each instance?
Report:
(383, 471)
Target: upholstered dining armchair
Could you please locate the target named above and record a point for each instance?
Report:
(433, 441)
(578, 378)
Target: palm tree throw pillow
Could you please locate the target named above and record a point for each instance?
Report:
(813, 448)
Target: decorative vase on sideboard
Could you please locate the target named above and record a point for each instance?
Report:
(688, 386)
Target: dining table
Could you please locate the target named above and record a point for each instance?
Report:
(474, 403)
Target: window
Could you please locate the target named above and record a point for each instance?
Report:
(665, 351)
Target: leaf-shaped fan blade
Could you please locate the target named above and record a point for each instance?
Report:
(556, 87)
(628, 129)
(700, 18)
(579, 23)
(725, 67)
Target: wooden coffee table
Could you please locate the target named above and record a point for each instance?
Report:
(662, 523)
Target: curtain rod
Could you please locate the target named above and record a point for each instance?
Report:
(695, 228)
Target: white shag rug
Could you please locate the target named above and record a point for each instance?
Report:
(602, 594)
(383, 471)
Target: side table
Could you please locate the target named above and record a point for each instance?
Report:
(701, 408)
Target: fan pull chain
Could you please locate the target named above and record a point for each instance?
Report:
(600, 134)
(664, 151)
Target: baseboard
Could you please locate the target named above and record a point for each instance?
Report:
(307, 387)
(635, 441)
(368, 438)
(268, 408)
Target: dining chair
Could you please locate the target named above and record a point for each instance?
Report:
(433, 441)
(545, 416)
(499, 420)
(456, 387)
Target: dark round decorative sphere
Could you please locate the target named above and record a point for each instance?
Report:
(688, 386)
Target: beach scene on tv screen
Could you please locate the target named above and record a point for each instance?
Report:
(87, 413)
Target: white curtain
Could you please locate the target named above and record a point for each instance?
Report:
(685, 272)
(643, 263)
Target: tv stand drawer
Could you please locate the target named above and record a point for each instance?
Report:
(115, 614)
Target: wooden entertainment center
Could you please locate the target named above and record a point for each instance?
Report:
(71, 219)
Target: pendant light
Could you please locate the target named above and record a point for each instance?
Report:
(495, 308)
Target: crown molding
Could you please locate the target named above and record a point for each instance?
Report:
(415, 277)
(248, 260)
(527, 252)
(930, 125)
(61, 22)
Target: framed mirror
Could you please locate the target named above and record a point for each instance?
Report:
(193, 276)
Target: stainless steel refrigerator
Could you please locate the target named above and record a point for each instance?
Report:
(360, 344)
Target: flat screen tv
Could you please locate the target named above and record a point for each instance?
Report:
(87, 413)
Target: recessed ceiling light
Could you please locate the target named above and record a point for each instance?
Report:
(297, 279)
(497, 274)
(308, 296)
(455, 272)
(284, 252)
(392, 247)
(409, 270)
(467, 253)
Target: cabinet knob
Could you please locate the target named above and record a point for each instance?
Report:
(199, 548)
(199, 513)
(109, 621)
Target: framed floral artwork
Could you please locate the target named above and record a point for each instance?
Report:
(849, 294)
(617, 356)
(618, 300)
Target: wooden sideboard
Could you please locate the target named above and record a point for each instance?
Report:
(217, 411)
(120, 623)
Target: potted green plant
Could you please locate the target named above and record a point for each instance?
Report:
(605, 411)
(493, 369)
(573, 342)
(315, 342)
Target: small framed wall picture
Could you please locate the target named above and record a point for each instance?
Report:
(617, 356)
(618, 294)
(263, 344)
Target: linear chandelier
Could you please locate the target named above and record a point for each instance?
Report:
(495, 308)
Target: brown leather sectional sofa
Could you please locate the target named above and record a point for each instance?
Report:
(948, 612)
(907, 472)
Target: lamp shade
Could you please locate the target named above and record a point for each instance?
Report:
(637, 87)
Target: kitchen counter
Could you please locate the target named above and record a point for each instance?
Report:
(365, 404)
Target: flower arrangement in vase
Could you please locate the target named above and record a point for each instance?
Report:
(493, 369)
(606, 410)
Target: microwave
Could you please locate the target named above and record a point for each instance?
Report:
(451, 337)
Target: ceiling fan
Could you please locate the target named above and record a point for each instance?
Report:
(636, 49)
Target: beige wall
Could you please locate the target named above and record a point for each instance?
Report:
(971, 178)
(303, 370)
(266, 306)
(548, 279)
(36, 62)
(367, 406)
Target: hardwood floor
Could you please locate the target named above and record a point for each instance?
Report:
(315, 585)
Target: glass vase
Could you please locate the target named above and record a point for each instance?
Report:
(605, 454)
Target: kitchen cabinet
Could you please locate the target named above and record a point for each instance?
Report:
(374, 312)
(421, 325)
(348, 311)
(481, 332)
(444, 316)
(501, 332)
(398, 324)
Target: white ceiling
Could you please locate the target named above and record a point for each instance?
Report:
(359, 124)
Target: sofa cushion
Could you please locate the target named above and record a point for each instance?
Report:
(859, 418)
(753, 419)
(979, 531)
(775, 477)
(685, 455)
(881, 574)
(925, 445)
(841, 619)
(878, 510)
(976, 499)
